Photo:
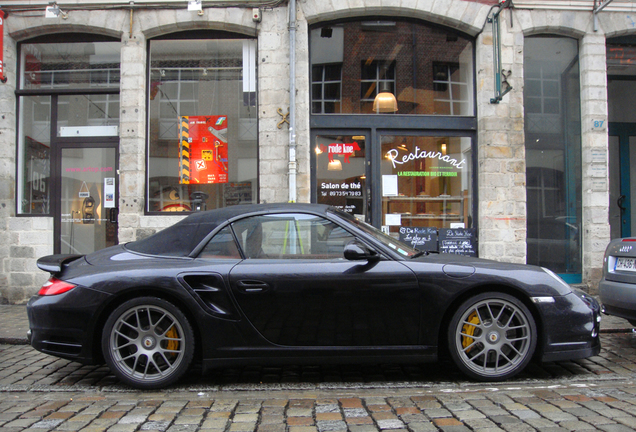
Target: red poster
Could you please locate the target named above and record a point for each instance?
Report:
(203, 150)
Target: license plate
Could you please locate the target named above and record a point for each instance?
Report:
(626, 264)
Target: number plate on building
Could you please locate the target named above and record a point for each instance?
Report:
(628, 264)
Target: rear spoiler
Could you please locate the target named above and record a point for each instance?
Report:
(54, 263)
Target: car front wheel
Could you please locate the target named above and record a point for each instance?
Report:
(492, 337)
(148, 343)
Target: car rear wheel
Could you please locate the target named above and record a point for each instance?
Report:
(148, 343)
(492, 337)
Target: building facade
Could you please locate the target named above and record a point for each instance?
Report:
(511, 121)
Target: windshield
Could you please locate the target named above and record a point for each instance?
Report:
(398, 246)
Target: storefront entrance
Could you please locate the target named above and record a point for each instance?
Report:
(621, 85)
(86, 216)
(396, 179)
(622, 171)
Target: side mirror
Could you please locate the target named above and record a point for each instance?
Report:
(356, 251)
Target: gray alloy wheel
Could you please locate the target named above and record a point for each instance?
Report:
(148, 343)
(492, 337)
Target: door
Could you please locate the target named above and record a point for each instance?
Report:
(86, 220)
(622, 181)
(341, 172)
(296, 288)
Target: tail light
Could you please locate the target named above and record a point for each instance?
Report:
(629, 239)
(55, 286)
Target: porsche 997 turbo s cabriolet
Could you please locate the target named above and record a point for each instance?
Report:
(300, 283)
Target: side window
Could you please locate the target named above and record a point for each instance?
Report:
(222, 245)
(291, 236)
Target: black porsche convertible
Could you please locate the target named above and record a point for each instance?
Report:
(300, 283)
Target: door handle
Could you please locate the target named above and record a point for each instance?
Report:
(113, 215)
(252, 286)
(620, 202)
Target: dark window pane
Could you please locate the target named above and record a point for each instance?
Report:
(332, 73)
(330, 108)
(332, 91)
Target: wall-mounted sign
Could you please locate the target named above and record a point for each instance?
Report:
(203, 150)
(599, 125)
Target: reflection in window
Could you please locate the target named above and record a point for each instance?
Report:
(553, 154)
(222, 245)
(64, 65)
(411, 59)
(291, 236)
(376, 77)
(451, 93)
(325, 87)
(34, 155)
(202, 124)
(340, 173)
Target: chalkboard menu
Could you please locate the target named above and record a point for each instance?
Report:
(422, 238)
(460, 241)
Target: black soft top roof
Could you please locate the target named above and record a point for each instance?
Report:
(181, 238)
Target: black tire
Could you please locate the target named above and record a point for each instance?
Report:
(492, 337)
(148, 343)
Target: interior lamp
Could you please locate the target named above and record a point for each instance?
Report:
(385, 101)
(334, 165)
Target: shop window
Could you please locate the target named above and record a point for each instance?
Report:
(202, 148)
(326, 85)
(54, 65)
(412, 60)
(553, 154)
(426, 182)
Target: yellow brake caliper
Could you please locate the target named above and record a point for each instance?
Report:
(172, 345)
(469, 329)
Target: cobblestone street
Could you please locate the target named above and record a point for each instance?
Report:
(42, 393)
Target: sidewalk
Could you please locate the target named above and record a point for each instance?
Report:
(15, 324)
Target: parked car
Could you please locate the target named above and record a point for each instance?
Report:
(617, 288)
(300, 283)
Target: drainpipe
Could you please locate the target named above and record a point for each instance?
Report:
(292, 101)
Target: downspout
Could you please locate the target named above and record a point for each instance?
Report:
(292, 101)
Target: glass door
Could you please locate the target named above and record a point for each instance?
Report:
(87, 218)
(622, 181)
(341, 173)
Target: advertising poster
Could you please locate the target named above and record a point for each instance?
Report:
(203, 150)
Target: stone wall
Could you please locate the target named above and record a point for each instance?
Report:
(500, 135)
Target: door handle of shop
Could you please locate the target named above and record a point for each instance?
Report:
(252, 286)
(620, 202)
